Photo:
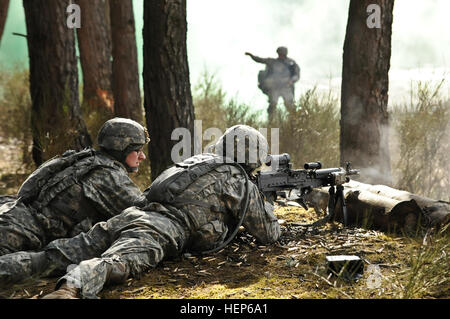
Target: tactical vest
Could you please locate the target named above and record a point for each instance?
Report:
(168, 187)
(173, 181)
(59, 173)
(263, 75)
(262, 84)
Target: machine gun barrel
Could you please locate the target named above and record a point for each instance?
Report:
(283, 178)
(324, 172)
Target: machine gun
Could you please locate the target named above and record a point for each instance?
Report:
(283, 178)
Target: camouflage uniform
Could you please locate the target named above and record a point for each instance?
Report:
(138, 239)
(94, 188)
(279, 78)
(68, 194)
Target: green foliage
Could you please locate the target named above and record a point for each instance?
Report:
(423, 136)
(214, 108)
(312, 132)
(15, 114)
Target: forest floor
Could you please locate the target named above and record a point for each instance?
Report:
(395, 266)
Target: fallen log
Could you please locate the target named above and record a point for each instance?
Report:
(436, 212)
(384, 208)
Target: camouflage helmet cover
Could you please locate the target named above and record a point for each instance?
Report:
(244, 145)
(119, 133)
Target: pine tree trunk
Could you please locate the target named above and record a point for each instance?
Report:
(364, 95)
(127, 96)
(168, 98)
(4, 4)
(55, 114)
(94, 42)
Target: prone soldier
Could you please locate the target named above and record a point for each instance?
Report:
(203, 201)
(68, 194)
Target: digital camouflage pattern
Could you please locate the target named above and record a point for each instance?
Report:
(245, 145)
(92, 189)
(138, 239)
(118, 133)
(127, 244)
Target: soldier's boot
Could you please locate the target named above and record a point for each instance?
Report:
(22, 265)
(118, 273)
(114, 271)
(64, 292)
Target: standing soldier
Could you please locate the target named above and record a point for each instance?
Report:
(68, 194)
(202, 203)
(278, 79)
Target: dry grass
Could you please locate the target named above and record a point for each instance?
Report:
(422, 131)
(294, 267)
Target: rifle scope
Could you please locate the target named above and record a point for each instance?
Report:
(313, 165)
(282, 160)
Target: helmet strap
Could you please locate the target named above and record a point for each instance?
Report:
(121, 157)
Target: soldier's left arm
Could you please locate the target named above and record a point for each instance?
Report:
(260, 221)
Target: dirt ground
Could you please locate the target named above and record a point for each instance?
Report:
(295, 267)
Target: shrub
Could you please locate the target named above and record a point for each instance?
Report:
(216, 110)
(422, 135)
(312, 133)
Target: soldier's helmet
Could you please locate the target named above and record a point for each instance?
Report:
(244, 145)
(120, 136)
(282, 51)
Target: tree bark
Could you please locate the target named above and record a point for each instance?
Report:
(94, 42)
(55, 113)
(385, 208)
(127, 96)
(168, 98)
(364, 92)
(4, 4)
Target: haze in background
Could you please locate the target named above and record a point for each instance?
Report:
(219, 32)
